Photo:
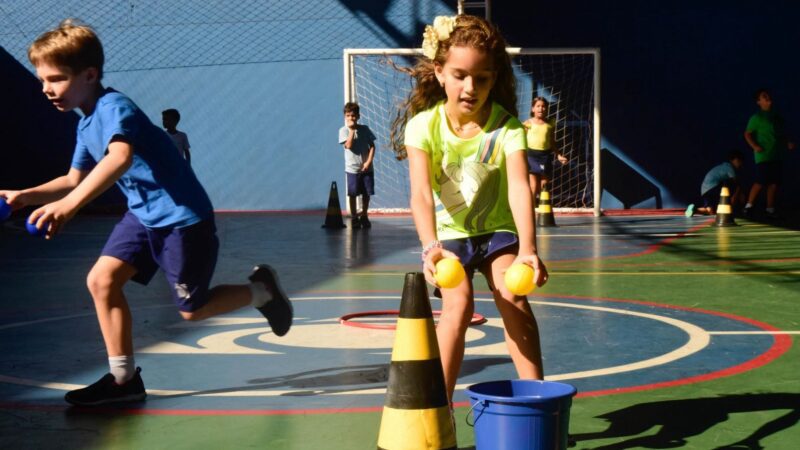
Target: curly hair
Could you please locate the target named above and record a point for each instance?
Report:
(471, 32)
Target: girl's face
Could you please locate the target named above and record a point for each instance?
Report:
(539, 110)
(468, 76)
(64, 89)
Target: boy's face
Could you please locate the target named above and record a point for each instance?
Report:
(67, 90)
(764, 102)
(168, 121)
(737, 163)
(350, 118)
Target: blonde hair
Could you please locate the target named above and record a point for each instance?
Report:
(472, 32)
(70, 45)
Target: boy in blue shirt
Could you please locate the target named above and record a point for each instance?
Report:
(725, 174)
(169, 223)
(359, 151)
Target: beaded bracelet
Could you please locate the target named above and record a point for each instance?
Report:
(431, 245)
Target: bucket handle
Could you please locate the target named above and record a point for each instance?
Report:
(471, 410)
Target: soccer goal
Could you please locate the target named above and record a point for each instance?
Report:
(568, 77)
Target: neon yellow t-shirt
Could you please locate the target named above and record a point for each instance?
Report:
(540, 136)
(468, 176)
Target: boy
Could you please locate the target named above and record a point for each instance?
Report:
(359, 151)
(169, 224)
(170, 119)
(725, 174)
(766, 135)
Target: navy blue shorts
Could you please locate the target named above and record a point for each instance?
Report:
(540, 162)
(768, 172)
(474, 251)
(187, 255)
(362, 183)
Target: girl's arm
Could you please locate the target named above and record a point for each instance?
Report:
(422, 210)
(561, 158)
(98, 180)
(519, 198)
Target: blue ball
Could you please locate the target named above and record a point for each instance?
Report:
(31, 227)
(5, 210)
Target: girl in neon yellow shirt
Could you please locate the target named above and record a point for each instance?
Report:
(541, 146)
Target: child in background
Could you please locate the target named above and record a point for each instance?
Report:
(725, 174)
(542, 146)
(470, 197)
(169, 224)
(359, 151)
(766, 135)
(170, 119)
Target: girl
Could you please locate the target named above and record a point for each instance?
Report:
(470, 197)
(541, 146)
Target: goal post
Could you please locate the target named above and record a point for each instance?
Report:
(568, 77)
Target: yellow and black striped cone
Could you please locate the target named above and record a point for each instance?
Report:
(544, 212)
(416, 414)
(333, 217)
(724, 211)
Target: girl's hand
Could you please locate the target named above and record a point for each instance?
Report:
(758, 149)
(562, 159)
(429, 264)
(54, 214)
(540, 275)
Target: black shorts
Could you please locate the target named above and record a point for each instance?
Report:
(361, 183)
(768, 172)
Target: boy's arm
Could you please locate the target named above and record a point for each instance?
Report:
(370, 157)
(351, 134)
(50, 191)
(748, 136)
(115, 163)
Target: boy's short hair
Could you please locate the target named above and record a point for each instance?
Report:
(760, 92)
(352, 107)
(71, 45)
(735, 154)
(173, 113)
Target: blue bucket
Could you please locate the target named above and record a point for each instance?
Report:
(521, 414)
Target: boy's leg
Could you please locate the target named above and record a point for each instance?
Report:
(106, 281)
(772, 194)
(521, 330)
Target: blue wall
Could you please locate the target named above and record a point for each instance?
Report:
(259, 83)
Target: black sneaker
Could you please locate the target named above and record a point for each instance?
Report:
(355, 223)
(106, 390)
(365, 223)
(773, 215)
(747, 213)
(278, 311)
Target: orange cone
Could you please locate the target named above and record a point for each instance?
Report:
(724, 211)
(416, 414)
(333, 217)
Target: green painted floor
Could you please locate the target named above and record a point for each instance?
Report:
(751, 271)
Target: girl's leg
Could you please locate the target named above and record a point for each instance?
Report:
(535, 181)
(754, 191)
(457, 309)
(521, 330)
(105, 281)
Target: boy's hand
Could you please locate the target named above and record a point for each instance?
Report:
(350, 123)
(790, 145)
(56, 214)
(14, 199)
(365, 167)
(758, 149)
(540, 275)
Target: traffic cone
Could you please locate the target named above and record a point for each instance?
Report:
(416, 414)
(724, 211)
(333, 217)
(545, 210)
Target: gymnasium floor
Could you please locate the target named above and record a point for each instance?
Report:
(676, 335)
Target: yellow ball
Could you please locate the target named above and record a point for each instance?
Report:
(449, 273)
(519, 279)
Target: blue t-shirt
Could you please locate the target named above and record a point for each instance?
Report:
(161, 188)
(716, 176)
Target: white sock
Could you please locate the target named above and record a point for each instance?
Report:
(122, 367)
(749, 205)
(259, 294)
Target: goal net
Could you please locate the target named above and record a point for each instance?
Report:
(567, 78)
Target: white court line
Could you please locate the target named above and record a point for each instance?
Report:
(730, 333)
